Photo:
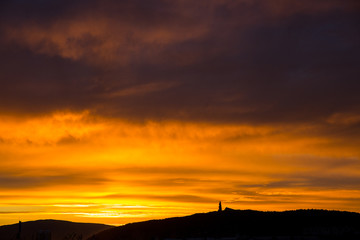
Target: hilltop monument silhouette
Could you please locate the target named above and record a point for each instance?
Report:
(18, 236)
(220, 207)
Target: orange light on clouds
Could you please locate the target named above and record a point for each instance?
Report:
(81, 167)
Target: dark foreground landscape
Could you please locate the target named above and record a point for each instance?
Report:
(221, 225)
(50, 229)
(244, 224)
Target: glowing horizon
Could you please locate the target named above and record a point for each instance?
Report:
(76, 166)
(122, 111)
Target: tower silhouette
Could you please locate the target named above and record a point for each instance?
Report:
(220, 207)
(18, 236)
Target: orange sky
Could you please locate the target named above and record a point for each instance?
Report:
(120, 111)
(81, 167)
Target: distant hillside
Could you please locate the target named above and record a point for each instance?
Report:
(244, 224)
(60, 230)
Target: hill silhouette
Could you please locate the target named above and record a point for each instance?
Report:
(243, 224)
(60, 230)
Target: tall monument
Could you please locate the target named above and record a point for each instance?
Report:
(18, 236)
(220, 207)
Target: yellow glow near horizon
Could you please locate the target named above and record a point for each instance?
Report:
(81, 167)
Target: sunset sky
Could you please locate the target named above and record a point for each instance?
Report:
(121, 111)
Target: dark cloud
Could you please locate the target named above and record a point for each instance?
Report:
(178, 171)
(37, 83)
(328, 181)
(11, 181)
(69, 139)
(310, 180)
(302, 201)
(19, 212)
(172, 198)
(318, 163)
(170, 183)
(219, 61)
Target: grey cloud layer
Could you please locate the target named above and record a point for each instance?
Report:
(244, 61)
